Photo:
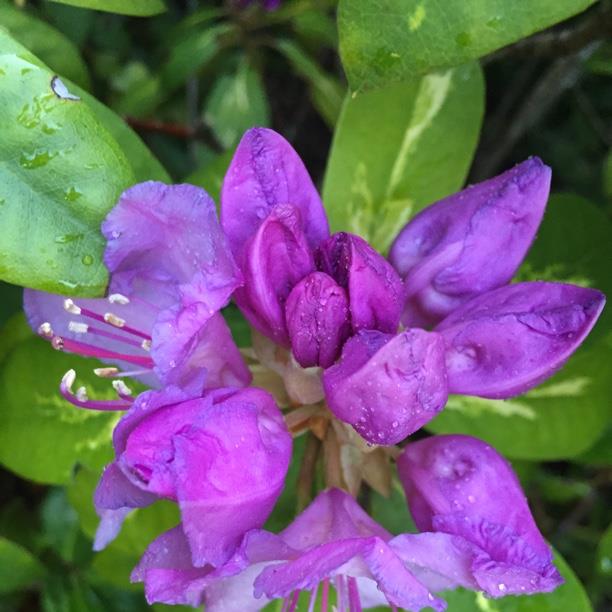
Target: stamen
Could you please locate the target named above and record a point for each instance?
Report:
(102, 332)
(118, 298)
(146, 345)
(325, 596)
(353, 594)
(313, 599)
(78, 328)
(340, 582)
(88, 350)
(123, 391)
(81, 400)
(106, 372)
(114, 320)
(71, 307)
(45, 330)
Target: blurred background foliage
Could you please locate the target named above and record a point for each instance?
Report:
(188, 78)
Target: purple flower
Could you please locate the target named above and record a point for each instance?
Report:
(332, 541)
(484, 536)
(171, 271)
(388, 386)
(222, 457)
(470, 242)
(311, 292)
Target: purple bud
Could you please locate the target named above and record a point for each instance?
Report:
(375, 291)
(459, 485)
(277, 258)
(317, 320)
(470, 242)
(267, 172)
(388, 386)
(506, 341)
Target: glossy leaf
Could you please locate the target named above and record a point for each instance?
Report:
(236, 103)
(62, 172)
(394, 40)
(569, 596)
(19, 569)
(139, 8)
(42, 436)
(400, 148)
(567, 414)
(604, 553)
(53, 47)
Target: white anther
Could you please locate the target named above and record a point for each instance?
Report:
(45, 330)
(81, 394)
(78, 328)
(146, 345)
(121, 388)
(118, 298)
(57, 343)
(106, 372)
(68, 379)
(114, 320)
(71, 307)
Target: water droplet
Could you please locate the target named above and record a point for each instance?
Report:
(502, 587)
(261, 212)
(72, 194)
(495, 23)
(464, 39)
(2, 201)
(87, 260)
(38, 159)
(65, 238)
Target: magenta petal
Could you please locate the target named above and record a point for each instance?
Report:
(460, 485)
(266, 172)
(229, 469)
(276, 259)
(190, 353)
(388, 386)
(317, 320)
(506, 341)
(470, 242)
(375, 291)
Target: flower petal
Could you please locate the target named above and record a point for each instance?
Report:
(317, 320)
(470, 242)
(266, 172)
(460, 485)
(506, 341)
(229, 469)
(375, 291)
(278, 257)
(387, 386)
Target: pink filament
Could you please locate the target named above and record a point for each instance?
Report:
(130, 330)
(92, 351)
(353, 593)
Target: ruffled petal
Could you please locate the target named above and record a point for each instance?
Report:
(318, 321)
(266, 172)
(470, 242)
(375, 291)
(461, 485)
(388, 386)
(507, 341)
(229, 469)
(278, 257)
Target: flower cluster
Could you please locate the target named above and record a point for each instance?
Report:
(358, 350)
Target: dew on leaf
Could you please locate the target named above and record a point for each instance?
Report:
(87, 260)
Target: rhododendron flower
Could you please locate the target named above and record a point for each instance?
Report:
(170, 273)
(337, 304)
(477, 532)
(222, 457)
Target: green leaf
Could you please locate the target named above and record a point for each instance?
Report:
(61, 173)
(53, 47)
(236, 103)
(42, 436)
(326, 92)
(567, 414)
(604, 553)
(18, 568)
(398, 149)
(570, 596)
(139, 8)
(396, 40)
